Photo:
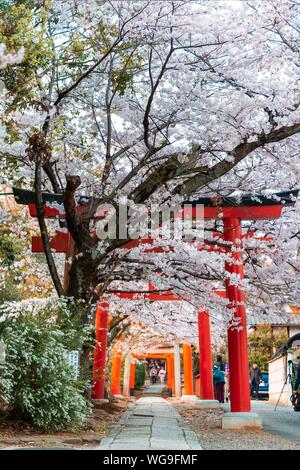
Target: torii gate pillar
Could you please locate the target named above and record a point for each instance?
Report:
(205, 357)
(237, 337)
(240, 416)
(132, 378)
(177, 375)
(188, 370)
(116, 371)
(100, 350)
(126, 378)
(169, 375)
(172, 374)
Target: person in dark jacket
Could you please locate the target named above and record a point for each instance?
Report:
(153, 375)
(219, 379)
(295, 398)
(255, 379)
(297, 383)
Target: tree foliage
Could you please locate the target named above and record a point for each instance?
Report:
(22, 275)
(263, 343)
(37, 384)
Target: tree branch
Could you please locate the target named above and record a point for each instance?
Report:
(151, 96)
(78, 229)
(239, 153)
(44, 231)
(170, 169)
(68, 90)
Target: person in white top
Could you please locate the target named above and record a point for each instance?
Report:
(161, 375)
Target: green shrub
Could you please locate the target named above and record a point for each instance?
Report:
(140, 375)
(262, 360)
(37, 383)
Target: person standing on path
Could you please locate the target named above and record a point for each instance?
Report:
(153, 374)
(295, 398)
(162, 374)
(297, 383)
(226, 378)
(255, 379)
(219, 379)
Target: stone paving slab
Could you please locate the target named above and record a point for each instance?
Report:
(151, 424)
(155, 389)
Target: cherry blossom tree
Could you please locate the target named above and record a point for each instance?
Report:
(167, 101)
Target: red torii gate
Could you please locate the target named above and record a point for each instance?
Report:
(153, 296)
(167, 356)
(232, 215)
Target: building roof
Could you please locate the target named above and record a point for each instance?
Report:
(285, 319)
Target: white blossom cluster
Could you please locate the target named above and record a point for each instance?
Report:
(8, 58)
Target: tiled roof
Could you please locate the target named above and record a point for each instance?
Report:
(284, 319)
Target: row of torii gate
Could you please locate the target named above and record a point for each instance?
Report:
(171, 356)
(232, 214)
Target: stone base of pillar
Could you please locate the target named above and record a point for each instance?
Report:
(241, 420)
(189, 398)
(170, 392)
(100, 401)
(207, 404)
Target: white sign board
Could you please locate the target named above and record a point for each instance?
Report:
(73, 358)
(2, 352)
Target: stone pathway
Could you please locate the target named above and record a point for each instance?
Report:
(151, 424)
(155, 389)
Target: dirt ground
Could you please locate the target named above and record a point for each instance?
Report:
(207, 425)
(16, 434)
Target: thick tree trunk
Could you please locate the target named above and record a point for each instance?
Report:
(81, 287)
(82, 279)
